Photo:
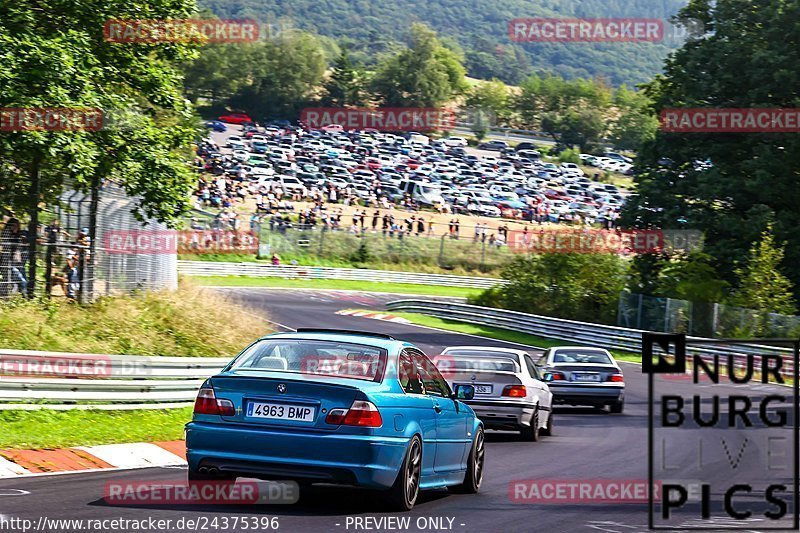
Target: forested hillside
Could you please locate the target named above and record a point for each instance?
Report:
(478, 27)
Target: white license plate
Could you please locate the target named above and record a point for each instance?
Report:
(483, 389)
(280, 411)
(586, 377)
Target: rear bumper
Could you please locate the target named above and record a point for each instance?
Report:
(586, 394)
(502, 414)
(362, 460)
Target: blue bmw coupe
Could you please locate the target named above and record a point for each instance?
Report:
(329, 406)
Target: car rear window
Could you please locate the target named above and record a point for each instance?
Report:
(474, 361)
(581, 356)
(314, 358)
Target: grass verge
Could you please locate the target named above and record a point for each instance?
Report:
(186, 322)
(59, 429)
(396, 288)
(501, 334)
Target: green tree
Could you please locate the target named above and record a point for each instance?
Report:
(493, 98)
(762, 286)
(481, 125)
(286, 75)
(52, 54)
(345, 85)
(748, 58)
(636, 123)
(219, 71)
(574, 286)
(426, 74)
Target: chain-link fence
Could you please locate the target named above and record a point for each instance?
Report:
(117, 269)
(67, 262)
(652, 313)
(702, 319)
(314, 245)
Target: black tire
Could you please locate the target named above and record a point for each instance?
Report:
(474, 475)
(403, 494)
(547, 430)
(531, 433)
(617, 407)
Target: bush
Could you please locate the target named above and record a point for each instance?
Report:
(570, 155)
(361, 255)
(574, 286)
(188, 322)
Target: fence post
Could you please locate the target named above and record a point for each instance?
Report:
(715, 321)
(639, 313)
(666, 317)
(81, 275)
(48, 257)
(441, 252)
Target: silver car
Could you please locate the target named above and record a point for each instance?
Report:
(583, 376)
(509, 391)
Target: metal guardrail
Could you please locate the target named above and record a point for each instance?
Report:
(109, 382)
(609, 337)
(209, 268)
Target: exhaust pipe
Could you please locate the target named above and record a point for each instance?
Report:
(203, 470)
(214, 471)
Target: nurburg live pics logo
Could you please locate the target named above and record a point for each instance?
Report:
(726, 452)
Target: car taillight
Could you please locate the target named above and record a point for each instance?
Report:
(558, 376)
(207, 404)
(515, 391)
(361, 413)
(616, 378)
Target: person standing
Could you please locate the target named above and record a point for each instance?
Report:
(13, 256)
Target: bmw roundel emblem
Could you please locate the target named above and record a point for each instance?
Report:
(281, 388)
(473, 378)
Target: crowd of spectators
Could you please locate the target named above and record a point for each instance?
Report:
(68, 254)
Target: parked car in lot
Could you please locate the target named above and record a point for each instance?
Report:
(326, 406)
(509, 391)
(454, 141)
(216, 125)
(583, 376)
(496, 146)
(235, 118)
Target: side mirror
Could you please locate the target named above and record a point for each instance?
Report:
(465, 392)
(547, 376)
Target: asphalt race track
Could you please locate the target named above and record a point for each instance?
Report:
(588, 444)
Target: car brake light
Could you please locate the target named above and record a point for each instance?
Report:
(207, 404)
(515, 391)
(616, 378)
(361, 413)
(558, 376)
(226, 408)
